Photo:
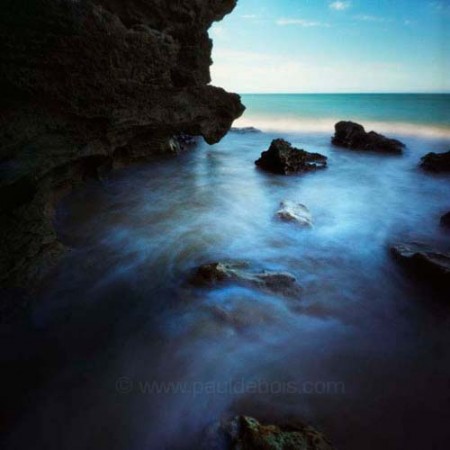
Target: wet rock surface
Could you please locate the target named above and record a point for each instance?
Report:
(282, 158)
(295, 212)
(353, 136)
(241, 272)
(89, 86)
(425, 262)
(436, 162)
(247, 433)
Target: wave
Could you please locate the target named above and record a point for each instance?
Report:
(326, 125)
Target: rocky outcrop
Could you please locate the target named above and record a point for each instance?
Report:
(87, 86)
(353, 136)
(241, 272)
(245, 130)
(282, 158)
(445, 220)
(247, 433)
(436, 162)
(424, 262)
(295, 212)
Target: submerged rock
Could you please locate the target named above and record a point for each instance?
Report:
(445, 220)
(354, 136)
(241, 272)
(284, 159)
(247, 433)
(245, 130)
(424, 262)
(295, 212)
(436, 162)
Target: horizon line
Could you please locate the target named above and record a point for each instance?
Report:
(348, 93)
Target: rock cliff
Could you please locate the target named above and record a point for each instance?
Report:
(89, 85)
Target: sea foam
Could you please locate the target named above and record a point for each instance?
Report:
(326, 125)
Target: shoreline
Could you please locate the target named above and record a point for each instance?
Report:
(326, 125)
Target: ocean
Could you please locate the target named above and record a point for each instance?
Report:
(405, 114)
(119, 351)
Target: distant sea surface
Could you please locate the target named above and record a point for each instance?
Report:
(411, 114)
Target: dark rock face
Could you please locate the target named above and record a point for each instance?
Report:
(240, 272)
(282, 158)
(436, 162)
(185, 141)
(88, 86)
(445, 220)
(354, 136)
(426, 263)
(246, 433)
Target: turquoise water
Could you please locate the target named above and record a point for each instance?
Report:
(427, 114)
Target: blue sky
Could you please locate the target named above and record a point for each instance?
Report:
(333, 46)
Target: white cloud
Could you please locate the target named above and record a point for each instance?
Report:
(440, 6)
(242, 71)
(218, 30)
(340, 6)
(301, 23)
(368, 18)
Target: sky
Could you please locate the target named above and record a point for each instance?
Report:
(313, 46)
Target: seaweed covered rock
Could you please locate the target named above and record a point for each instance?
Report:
(282, 158)
(353, 136)
(436, 162)
(241, 272)
(247, 433)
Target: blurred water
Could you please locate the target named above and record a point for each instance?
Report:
(120, 314)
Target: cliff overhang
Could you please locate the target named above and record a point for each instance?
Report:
(89, 85)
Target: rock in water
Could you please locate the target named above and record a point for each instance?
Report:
(353, 135)
(284, 159)
(295, 212)
(445, 220)
(436, 162)
(245, 130)
(423, 261)
(246, 433)
(240, 272)
(87, 86)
